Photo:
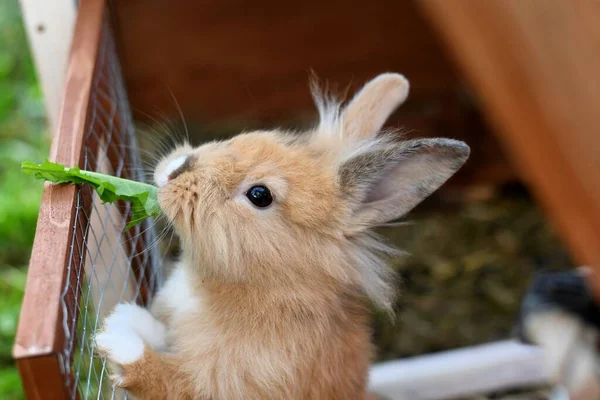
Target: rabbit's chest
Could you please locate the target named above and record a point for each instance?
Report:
(176, 300)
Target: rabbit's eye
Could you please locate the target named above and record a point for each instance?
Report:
(260, 196)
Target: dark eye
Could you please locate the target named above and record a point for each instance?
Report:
(260, 196)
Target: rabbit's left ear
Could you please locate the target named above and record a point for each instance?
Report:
(385, 181)
(365, 115)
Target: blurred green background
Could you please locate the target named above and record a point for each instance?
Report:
(23, 136)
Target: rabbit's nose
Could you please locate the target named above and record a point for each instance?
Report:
(178, 166)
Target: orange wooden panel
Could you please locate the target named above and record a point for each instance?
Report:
(237, 59)
(535, 65)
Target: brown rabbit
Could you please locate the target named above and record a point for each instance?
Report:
(269, 300)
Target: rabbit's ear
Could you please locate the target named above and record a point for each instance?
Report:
(384, 182)
(372, 105)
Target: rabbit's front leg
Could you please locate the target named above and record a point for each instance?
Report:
(132, 341)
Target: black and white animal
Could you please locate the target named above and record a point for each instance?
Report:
(560, 314)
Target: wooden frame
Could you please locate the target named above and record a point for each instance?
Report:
(40, 338)
(92, 117)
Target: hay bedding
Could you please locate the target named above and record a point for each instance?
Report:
(469, 266)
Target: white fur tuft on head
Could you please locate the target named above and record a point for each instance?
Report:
(365, 114)
(328, 107)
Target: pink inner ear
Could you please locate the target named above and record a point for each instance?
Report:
(380, 190)
(400, 184)
(390, 184)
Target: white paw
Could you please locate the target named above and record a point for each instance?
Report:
(120, 346)
(126, 331)
(140, 321)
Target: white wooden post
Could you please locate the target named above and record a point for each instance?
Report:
(49, 25)
(461, 372)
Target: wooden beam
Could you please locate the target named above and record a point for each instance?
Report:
(535, 65)
(49, 26)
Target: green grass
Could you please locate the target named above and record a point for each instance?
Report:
(22, 137)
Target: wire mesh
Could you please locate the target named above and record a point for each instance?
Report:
(107, 264)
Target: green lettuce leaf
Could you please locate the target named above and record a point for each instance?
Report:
(142, 196)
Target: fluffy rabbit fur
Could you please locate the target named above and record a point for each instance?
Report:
(271, 303)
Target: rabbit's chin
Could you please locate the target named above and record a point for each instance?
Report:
(169, 206)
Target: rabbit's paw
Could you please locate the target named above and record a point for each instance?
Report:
(124, 336)
(119, 347)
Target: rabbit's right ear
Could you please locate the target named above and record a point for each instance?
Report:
(365, 115)
(384, 181)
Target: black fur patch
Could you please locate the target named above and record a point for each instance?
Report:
(567, 291)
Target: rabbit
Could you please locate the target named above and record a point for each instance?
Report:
(279, 260)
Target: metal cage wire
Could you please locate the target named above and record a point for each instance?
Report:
(107, 264)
